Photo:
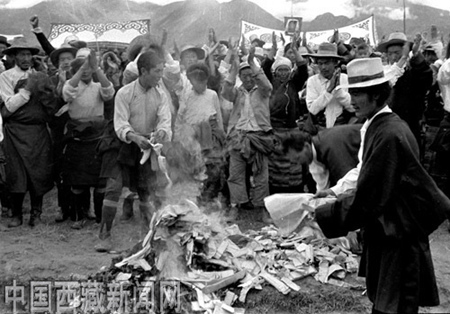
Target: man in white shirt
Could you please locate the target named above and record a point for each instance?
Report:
(141, 117)
(321, 92)
(29, 103)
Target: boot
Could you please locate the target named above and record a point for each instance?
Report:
(266, 216)
(61, 216)
(64, 197)
(127, 209)
(35, 218)
(36, 211)
(6, 212)
(105, 245)
(16, 204)
(98, 204)
(15, 222)
(79, 210)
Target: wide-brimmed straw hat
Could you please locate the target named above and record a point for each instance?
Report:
(326, 50)
(199, 51)
(397, 38)
(365, 72)
(20, 44)
(54, 55)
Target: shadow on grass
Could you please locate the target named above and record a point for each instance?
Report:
(310, 299)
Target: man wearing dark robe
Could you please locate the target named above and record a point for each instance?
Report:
(28, 104)
(396, 202)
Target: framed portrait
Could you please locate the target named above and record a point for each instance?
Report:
(292, 25)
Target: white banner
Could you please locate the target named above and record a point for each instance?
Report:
(119, 32)
(364, 29)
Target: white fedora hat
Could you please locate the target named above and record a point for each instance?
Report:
(365, 72)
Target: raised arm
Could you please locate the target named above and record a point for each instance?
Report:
(42, 39)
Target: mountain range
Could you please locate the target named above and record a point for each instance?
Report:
(188, 21)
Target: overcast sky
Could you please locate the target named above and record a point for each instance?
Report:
(309, 8)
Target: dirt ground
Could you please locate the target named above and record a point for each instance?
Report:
(54, 251)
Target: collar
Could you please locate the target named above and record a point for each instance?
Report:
(141, 88)
(314, 152)
(242, 88)
(195, 92)
(322, 79)
(366, 124)
(16, 67)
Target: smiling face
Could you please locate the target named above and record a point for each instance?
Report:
(150, 78)
(247, 78)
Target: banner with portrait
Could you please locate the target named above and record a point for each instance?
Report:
(364, 29)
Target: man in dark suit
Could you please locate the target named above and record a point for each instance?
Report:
(396, 201)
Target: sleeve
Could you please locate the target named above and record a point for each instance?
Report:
(216, 104)
(347, 182)
(43, 41)
(172, 74)
(443, 76)
(122, 116)
(267, 68)
(264, 86)
(378, 180)
(1, 129)
(342, 95)
(229, 91)
(69, 92)
(164, 117)
(300, 76)
(12, 101)
(395, 71)
(224, 69)
(107, 93)
(320, 175)
(316, 98)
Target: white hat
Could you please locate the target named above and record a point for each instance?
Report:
(366, 72)
(83, 53)
(281, 61)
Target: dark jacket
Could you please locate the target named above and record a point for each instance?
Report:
(285, 107)
(398, 204)
(28, 146)
(408, 95)
(337, 149)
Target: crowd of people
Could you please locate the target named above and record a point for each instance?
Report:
(247, 121)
